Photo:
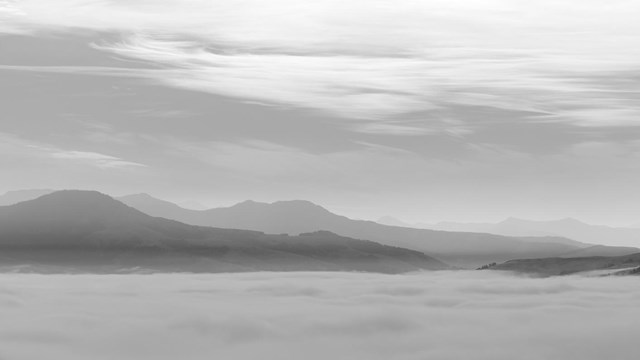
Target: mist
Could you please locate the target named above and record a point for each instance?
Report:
(431, 315)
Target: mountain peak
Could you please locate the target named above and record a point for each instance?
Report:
(139, 196)
(391, 221)
(146, 203)
(299, 205)
(323, 233)
(77, 195)
(570, 220)
(248, 203)
(512, 219)
(76, 204)
(295, 205)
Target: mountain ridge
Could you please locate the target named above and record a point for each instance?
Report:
(90, 230)
(463, 249)
(568, 227)
(299, 216)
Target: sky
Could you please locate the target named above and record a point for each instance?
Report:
(423, 110)
(482, 315)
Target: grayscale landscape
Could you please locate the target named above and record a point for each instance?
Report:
(297, 179)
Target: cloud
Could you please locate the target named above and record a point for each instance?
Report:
(391, 129)
(383, 87)
(95, 159)
(411, 129)
(349, 86)
(441, 110)
(16, 148)
(439, 315)
(8, 7)
(376, 60)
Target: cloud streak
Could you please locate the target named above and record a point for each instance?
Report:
(382, 61)
(95, 159)
(378, 61)
(441, 110)
(21, 148)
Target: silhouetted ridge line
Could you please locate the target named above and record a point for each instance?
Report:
(300, 216)
(90, 231)
(466, 249)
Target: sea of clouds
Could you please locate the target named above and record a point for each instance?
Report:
(435, 315)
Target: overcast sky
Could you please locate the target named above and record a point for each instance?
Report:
(424, 110)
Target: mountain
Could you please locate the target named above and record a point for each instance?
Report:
(193, 205)
(145, 201)
(299, 216)
(601, 250)
(14, 197)
(565, 266)
(90, 231)
(391, 221)
(568, 228)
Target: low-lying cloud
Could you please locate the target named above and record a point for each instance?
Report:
(440, 315)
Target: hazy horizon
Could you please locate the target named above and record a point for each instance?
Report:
(194, 204)
(425, 111)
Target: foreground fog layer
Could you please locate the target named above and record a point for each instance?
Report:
(443, 315)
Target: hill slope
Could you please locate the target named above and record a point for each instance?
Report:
(565, 266)
(89, 231)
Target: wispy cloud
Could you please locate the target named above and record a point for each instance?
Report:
(379, 87)
(391, 129)
(94, 159)
(13, 146)
(494, 107)
(376, 60)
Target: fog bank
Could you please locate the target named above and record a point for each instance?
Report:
(438, 315)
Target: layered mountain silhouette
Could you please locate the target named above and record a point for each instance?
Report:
(621, 265)
(568, 228)
(459, 248)
(90, 231)
(297, 216)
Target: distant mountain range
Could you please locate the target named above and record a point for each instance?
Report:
(458, 248)
(89, 231)
(292, 217)
(569, 228)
